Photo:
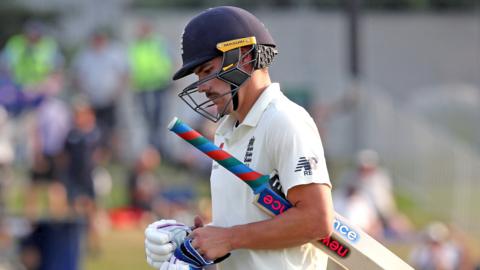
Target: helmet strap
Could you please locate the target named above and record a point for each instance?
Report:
(234, 98)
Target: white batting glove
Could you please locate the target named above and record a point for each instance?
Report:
(161, 239)
(175, 264)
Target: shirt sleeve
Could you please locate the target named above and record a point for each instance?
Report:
(297, 151)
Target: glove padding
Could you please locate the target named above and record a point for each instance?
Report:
(175, 264)
(162, 238)
(191, 256)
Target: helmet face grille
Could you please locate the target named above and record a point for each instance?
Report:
(204, 106)
(234, 74)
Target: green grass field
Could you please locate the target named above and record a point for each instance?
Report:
(121, 250)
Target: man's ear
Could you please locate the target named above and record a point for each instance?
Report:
(246, 56)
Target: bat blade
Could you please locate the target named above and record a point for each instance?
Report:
(352, 248)
(348, 246)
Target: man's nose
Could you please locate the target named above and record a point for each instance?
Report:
(202, 88)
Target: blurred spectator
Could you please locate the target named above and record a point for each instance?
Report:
(151, 71)
(14, 99)
(356, 207)
(52, 244)
(143, 184)
(31, 63)
(7, 253)
(438, 250)
(12, 228)
(7, 156)
(52, 123)
(33, 60)
(100, 72)
(81, 155)
(374, 184)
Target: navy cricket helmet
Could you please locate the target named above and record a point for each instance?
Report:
(214, 26)
(223, 31)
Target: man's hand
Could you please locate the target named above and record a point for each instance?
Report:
(161, 239)
(212, 242)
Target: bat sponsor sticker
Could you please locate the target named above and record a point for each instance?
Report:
(348, 233)
(336, 246)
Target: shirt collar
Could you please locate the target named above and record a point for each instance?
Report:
(255, 113)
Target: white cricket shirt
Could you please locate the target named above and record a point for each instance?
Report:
(276, 135)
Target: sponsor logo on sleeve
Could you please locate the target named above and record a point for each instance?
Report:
(306, 165)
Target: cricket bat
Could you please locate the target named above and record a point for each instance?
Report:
(348, 246)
